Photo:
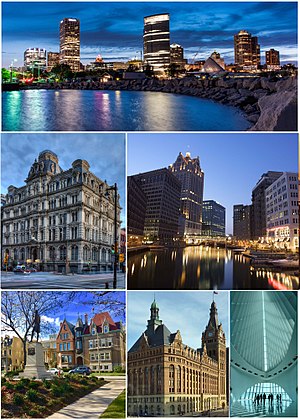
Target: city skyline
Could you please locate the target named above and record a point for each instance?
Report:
(194, 308)
(111, 168)
(220, 159)
(117, 34)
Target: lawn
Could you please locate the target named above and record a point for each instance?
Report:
(116, 409)
(26, 398)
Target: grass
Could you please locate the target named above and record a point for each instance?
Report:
(111, 373)
(28, 398)
(116, 409)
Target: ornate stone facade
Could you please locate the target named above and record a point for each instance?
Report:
(167, 377)
(61, 220)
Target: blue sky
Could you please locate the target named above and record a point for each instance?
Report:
(115, 29)
(104, 152)
(232, 163)
(182, 310)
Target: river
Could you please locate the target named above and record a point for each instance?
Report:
(91, 110)
(201, 268)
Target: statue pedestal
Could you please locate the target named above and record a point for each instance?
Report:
(35, 366)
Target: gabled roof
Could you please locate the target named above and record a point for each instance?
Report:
(99, 319)
(160, 336)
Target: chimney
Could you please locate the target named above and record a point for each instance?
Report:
(86, 318)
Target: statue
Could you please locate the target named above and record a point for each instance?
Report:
(36, 326)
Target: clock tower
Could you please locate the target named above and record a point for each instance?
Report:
(214, 339)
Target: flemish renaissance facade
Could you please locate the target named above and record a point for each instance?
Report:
(167, 377)
(61, 220)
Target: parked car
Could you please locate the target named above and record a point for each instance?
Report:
(81, 370)
(54, 371)
(21, 269)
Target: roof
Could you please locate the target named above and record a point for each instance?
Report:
(99, 319)
(160, 336)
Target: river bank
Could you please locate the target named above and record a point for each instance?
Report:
(267, 105)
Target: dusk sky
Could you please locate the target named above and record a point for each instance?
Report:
(232, 163)
(115, 29)
(184, 310)
(104, 152)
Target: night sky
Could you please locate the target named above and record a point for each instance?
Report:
(184, 310)
(115, 29)
(106, 161)
(232, 163)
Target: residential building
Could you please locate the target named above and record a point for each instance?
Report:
(162, 191)
(12, 353)
(259, 203)
(99, 344)
(213, 219)
(191, 177)
(157, 41)
(61, 220)
(242, 222)
(272, 59)
(166, 377)
(263, 353)
(104, 346)
(246, 50)
(136, 212)
(50, 352)
(177, 56)
(282, 212)
(70, 43)
(52, 60)
(35, 60)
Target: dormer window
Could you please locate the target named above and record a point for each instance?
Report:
(105, 329)
(94, 331)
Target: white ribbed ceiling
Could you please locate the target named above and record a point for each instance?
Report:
(262, 325)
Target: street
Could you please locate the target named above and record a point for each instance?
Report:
(49, 280)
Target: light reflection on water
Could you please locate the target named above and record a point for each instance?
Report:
(202, 268)
(92, 110)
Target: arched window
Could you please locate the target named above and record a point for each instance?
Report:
(74, 253)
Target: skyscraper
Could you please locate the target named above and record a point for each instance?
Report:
(246, 50)
(242, 221)
(272, 59)
(157, 41)
(213, 219)
(259, 203)
(188, 171)
(70, 43)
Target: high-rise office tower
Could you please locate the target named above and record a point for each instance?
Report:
(52, 60)
(157, 41)
(246, 50)
(70, 43)
(188, 171)
(213, 219)
(242, 221)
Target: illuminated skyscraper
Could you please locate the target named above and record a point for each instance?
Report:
(188, 171)
(157, 41)
(246, 50)
(35, 58)
(70, 43)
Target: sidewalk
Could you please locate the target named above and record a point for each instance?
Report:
(94, 404)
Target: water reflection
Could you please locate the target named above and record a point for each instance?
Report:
(89, 110)
(201, 268)
(245, 408)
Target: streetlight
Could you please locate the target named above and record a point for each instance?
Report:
(115, 189)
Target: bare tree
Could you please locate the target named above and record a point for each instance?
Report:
(19, 307)
(111, 301)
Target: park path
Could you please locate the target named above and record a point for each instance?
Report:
(93, 404)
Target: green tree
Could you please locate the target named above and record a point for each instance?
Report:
(62, 71)
(5, 75)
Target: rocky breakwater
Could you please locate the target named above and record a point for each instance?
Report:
(268, 105)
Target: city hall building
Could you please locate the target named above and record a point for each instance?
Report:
(61, 220)
(168, 378)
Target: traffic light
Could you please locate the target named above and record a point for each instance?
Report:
(112, 249)
(121, 258)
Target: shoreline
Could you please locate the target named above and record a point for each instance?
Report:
(266, 105)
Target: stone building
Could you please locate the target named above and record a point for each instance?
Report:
(12, 353)
(167, 377)
(98, 344)
(61, 220)
(50, 352)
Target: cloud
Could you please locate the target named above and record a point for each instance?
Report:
(55, 321)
